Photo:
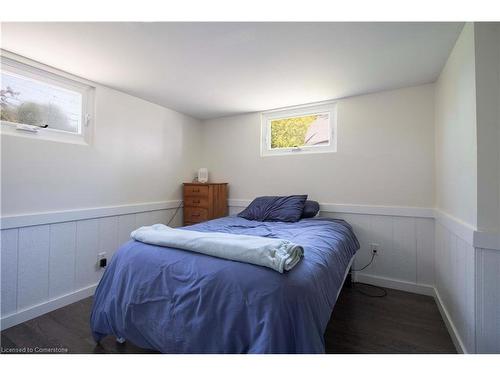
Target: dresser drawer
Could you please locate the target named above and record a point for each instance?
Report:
(195, 215)
(196, 202)
(204, 202)
(195, 191)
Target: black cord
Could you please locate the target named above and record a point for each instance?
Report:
(383, 291)
(371, 261)
(175, 213)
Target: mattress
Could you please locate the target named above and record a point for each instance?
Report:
(176, 301)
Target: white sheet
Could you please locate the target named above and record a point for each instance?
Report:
(280, 255)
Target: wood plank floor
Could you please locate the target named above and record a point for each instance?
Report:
(401, 322)
(398, 323)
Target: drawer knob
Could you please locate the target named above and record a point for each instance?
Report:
(196, 201)
(196, 190)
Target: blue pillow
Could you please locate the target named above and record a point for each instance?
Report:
(311, 209)
(287, 208)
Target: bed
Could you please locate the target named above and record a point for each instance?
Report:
(177, 301)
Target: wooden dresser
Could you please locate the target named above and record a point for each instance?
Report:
(204, 201)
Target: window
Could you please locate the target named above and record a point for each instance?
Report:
(38, 103)
(299, 130)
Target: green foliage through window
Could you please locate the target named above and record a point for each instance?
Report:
(310, 130)
(290, 132)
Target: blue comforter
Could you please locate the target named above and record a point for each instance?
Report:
(177, 301)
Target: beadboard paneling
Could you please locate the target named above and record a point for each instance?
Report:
(108, 235)
(33, 266)
(126, 224)
(405, 251)
(425, 251)
(454, 263)
(404, 254)
(488, 301)
(44, 265)
(150, 218)
(62, 258)
(87, 248)
(9, 271)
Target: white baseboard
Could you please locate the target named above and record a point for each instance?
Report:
(45, 307)
(455, 337)
(403, 285)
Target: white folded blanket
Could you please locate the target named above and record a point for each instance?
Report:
(280, 255)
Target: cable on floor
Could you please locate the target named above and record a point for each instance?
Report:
(369, 263)
(383, 291)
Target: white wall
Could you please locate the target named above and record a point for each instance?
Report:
(62, 204)
(467, 189)
(385, 154)
(455, 122)
(487, 61)
(456, 190)
(487, 42)
(385, 158)
(141, 152)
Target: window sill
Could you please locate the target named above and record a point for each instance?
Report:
(307, 151)
(9, 129)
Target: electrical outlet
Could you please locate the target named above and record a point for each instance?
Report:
(99, 257)
(375, 248)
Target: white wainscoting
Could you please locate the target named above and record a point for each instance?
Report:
(406, 250)
(49, 260)
(53, 264)
(467, 284)
(455, 282)
(488, 300)
(405, 236)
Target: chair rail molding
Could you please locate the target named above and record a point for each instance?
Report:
(40, 218)
(359, 209)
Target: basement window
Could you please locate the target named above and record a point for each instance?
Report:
(44, 105)
(299, 130)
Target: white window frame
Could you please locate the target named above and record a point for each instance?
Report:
(329, 108)
(36, 71)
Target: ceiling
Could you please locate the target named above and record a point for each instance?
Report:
(210, 70)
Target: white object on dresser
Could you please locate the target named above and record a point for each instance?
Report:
(203, 175)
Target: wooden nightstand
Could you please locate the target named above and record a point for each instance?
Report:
(204, 201)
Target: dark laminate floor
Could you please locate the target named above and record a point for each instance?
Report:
(398, 323)
(401, 322)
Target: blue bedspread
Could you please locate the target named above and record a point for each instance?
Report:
(177, 301)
